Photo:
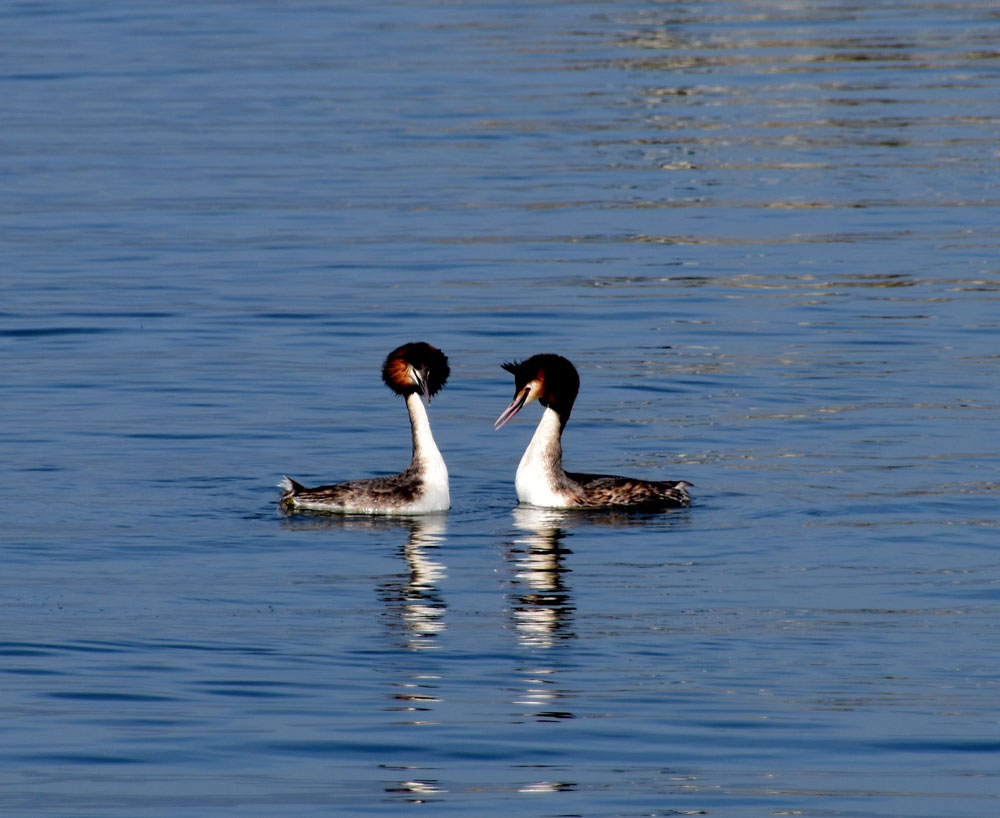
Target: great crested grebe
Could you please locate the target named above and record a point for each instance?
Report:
(541, 481)
(412, 370)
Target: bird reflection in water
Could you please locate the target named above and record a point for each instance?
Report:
(413, 791)
(540, 604)
(415, 607)
(415, 617)
(414, 604)
(549, 786)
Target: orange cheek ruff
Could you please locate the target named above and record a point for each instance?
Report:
(398, 372)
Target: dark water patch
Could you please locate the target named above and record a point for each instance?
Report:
(44, 332)
(26, 649)
(291, 316)
(250, 688)
(81, 759)
(245, 693)
(343, 748)
(107, 696)
(29, 671)
(120, 314)
(941, 746)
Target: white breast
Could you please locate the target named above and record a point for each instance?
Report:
(435, 496)
(540, 464)
(433, 471)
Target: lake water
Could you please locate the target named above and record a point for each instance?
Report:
(767, 234)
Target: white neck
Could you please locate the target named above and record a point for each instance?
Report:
(540, 471)
(427, 459)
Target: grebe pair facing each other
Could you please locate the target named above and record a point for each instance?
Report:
(418, 369)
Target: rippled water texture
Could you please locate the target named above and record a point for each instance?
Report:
(767, 235)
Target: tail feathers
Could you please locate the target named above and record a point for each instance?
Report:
(680, 491)
(290, 487)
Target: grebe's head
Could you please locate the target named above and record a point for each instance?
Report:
(416, 368)
(550, 379)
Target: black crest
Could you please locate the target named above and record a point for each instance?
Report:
(430, 364)
(560, 380)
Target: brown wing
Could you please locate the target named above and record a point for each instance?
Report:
(373, 492)
(609, 491)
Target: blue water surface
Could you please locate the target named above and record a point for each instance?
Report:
(767, 235)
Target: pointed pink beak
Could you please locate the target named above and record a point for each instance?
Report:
(515, 406)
